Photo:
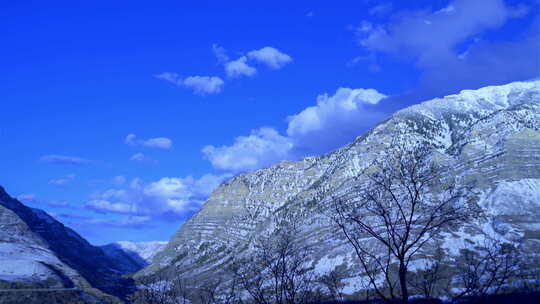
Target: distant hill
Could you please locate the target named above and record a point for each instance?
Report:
(132, 256)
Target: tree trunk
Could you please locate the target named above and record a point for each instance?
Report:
(403, 282)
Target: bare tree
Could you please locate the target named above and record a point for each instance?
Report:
(394, 211)
(219, 291)
(208, 291)
(231, 292)
(181, 291)
(276, 272)
(485, 271)
(428, 280)
(530, 274)
(333, 281)
(251, 280)
(164, 287)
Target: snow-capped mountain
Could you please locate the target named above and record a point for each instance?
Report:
(37, 251)
(132, 256)
(145, 250)
(490, 136)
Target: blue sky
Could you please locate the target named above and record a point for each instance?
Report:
(120, 117)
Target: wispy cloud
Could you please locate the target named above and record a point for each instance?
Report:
(171, 77)
(433, 40)
(64, 160)
(140, 157)
(84, 223)
(129, 221)
(200, 85)
(70, 216)
(119, 180)
(63, 181)
(156, 142)
(105, 206)
(58, 203)
(381, 9)
(30, 198)
(26, 198)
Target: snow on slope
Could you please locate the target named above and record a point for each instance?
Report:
(490, 136)
(146, 250)
(24, 257)
(132, 256)
(35, 248)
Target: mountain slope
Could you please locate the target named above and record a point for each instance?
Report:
(38, 250)
(132, 256)
(490, 136)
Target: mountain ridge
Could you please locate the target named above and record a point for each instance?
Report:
(490, 136)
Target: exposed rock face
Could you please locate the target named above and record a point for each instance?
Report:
(36, 251)
(490, 136)
(130, 257)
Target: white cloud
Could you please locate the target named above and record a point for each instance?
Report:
(334, 121)
(204, 85)
(200, 85)
(157, 142)
(239, 67)
(262, 147)
(207, 85)
(271, 57)
(168, 197)
(220, 53)
(343, 107)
